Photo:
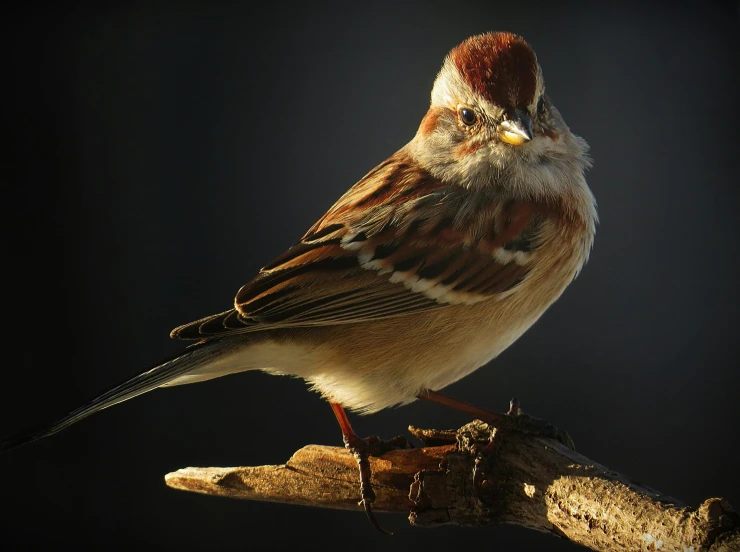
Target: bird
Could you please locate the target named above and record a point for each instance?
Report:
(430, 266)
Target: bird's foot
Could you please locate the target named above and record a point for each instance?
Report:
(362, 449)
(375, 446)
(514, 419)
(518, 421)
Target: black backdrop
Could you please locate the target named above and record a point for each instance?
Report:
(160, 154)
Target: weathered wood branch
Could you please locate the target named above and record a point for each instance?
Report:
(479, 475)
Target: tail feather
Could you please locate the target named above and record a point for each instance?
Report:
(168, 370)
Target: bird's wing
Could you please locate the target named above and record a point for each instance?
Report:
(394, 244)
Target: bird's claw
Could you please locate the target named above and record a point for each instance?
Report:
(362, 449)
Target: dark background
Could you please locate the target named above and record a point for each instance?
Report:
(161, 154)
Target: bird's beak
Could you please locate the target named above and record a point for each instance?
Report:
(516, 128)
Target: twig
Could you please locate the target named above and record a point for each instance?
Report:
(479, 475)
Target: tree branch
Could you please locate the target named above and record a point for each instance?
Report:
(480, 475)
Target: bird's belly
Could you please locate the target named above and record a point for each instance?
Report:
(368, 367)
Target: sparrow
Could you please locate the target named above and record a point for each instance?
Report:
(426, 269)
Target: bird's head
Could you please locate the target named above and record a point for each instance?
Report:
(491, 124)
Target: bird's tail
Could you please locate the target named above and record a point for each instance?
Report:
(190, 359)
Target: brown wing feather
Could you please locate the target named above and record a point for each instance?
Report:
(396, 243)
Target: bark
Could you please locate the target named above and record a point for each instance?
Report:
(479, 475)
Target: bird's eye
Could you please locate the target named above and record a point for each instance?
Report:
(468, 116)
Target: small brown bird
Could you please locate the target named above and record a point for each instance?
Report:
(426, 269)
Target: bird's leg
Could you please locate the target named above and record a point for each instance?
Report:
(514, 419)
(362, 449)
